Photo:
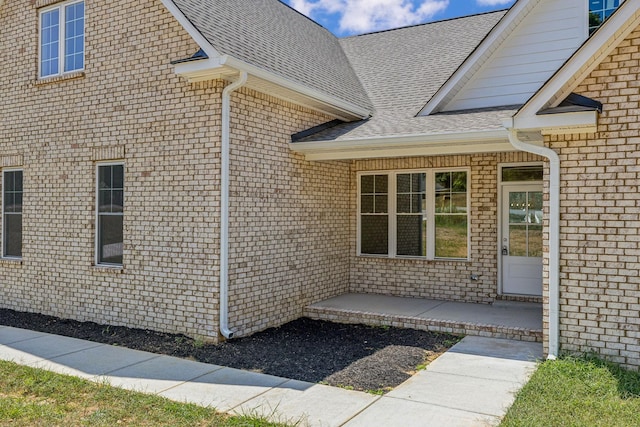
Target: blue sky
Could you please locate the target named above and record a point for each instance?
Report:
(348, 17)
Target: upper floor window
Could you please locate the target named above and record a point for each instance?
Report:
(599, 11)
(62, 38)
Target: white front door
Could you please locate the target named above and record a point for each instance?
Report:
(521, 239)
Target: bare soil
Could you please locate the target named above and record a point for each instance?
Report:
(358, 357)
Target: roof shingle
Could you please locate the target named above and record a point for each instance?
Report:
(402, 69)
(272, 36)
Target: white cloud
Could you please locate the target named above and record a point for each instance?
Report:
(493, 2)
(361, 16)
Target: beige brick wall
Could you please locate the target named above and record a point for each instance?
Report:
(440, 279)
(289, 226)
(600, 216)
(127, 105)
(293, 222)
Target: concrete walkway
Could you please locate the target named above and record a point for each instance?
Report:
(472, 384)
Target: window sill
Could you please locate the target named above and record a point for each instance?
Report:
(11, 261)
(60, 78)
(108, 269)
(410, 258)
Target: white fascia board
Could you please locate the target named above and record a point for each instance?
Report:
(586, 59)
(191, 29)
(404, 146)
(556, 124)
(344, 106)
(496, 35)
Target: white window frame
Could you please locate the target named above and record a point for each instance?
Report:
(430, 213)
(61, 39)
(97, 212)
(4, 234)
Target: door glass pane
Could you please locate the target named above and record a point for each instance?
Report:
(517, 207)
(535, 241)
(535, 207)
(518, 240)
(374, 236)
(525, 224)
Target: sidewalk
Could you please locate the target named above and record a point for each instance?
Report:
(472, 384)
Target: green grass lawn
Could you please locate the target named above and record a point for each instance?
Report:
(33, 397)
(578, 392)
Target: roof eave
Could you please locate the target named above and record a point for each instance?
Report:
(451, 143)
(348, 108)
(226, 67)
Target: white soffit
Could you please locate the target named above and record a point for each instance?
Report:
(405, 146)
(625, 20)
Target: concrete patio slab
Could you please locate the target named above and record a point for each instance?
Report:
(379, 304)
(11, 335)
(503, 319)
(95, 361)
(312, 405)
(528, 318)
(158, 374)
(397, 412)
(223, 389)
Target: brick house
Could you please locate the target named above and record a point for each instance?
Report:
(213, 167)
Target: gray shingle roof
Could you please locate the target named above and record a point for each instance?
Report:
(398, 125)
(402, 69)
(270, 35)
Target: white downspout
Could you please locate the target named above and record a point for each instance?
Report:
(554, 235)
(224, 204)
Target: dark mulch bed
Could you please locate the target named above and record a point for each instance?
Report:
(374, 359)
